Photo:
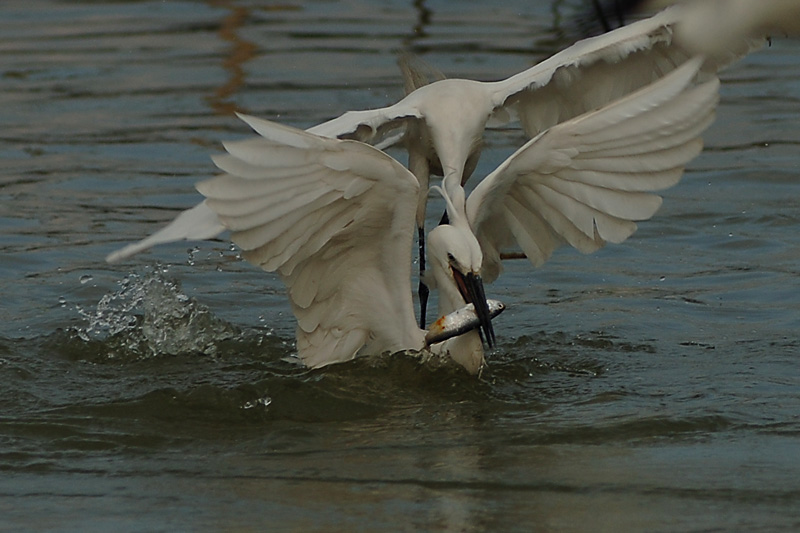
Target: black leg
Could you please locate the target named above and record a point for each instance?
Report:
(423, 289)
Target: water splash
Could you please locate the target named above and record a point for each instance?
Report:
(262, 402)
(150, 316)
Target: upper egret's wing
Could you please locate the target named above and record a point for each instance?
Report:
(585, 181)
(387, 126)
(335, 219)
(372, 126)
(597, 71)
(713, 26)
(535, 94)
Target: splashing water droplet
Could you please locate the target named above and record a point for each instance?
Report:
(259, 402)
(86, 278)
(192, 252)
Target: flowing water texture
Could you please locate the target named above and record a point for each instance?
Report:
(652, 386)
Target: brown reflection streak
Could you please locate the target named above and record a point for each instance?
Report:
(240, 52)
(419, 31)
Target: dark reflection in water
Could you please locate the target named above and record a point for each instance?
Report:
(240, 52)
(651, 386)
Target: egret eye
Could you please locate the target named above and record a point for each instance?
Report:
(451, 258)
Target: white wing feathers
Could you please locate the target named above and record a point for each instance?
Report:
(595, 71)
(373, 126)
(335, 219)
(584, 182)
(601, 68)
(583, 77)
(195, 224)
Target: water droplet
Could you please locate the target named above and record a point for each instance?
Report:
(259, 402)
(86, 278)
(192, 252)
(662, 278)
(62, 301)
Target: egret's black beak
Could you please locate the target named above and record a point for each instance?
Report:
(471, 288)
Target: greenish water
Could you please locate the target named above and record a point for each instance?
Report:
(653, 386)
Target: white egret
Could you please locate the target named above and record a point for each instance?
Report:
(335, 218)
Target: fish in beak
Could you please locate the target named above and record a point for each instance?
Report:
(471, 288)
(459, 322)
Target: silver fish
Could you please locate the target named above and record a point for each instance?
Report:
(459, 322)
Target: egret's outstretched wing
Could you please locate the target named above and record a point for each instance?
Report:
(599, 70)
(585, 181)
(195, 224)
(712, 26)
(371, 125)
(583, 77)
(386, 126)
(336, 220)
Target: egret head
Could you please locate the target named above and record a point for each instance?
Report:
(456, 257)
